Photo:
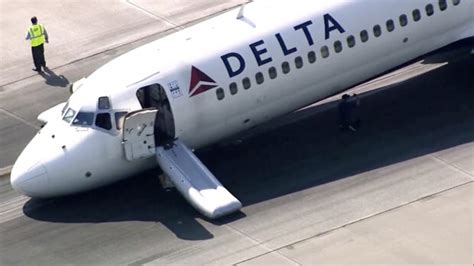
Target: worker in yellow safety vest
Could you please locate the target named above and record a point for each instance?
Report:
(37, 35)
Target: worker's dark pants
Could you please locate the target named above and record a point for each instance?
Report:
(38, 56)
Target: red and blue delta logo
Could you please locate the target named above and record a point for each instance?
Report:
(200, 82)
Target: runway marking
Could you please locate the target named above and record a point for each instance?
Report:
(12, 209)
(10, 114)
(5, 171)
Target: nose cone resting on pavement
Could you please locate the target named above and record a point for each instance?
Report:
(30, 179)
(29, 176)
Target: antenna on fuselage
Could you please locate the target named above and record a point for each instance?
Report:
(241, 12)
(241, 17)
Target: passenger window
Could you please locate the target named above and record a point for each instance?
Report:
(351, 41)
(220, 94)
(456, 2)
(103, 121)
(103, 103)
(285, 67)
(233, 88)
(429, 10)
(83, 119)
(119, 117)
(312, 57)
(324, 51)
(377, 31)
(443, 5)
(246, 83)
(403, 20)
(272, 72)
(364, 36)
(337, 46)
(299, 62)
(416, 15)
(390, 25)
(259, 78)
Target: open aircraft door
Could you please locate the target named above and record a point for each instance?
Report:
(138, 134)
(188, 174)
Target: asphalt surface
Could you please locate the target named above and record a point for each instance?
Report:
(400, 190)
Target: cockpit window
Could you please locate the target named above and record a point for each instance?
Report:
(69, 115)
(64, 108)
(103, 103)
(83, 119)
(102, 120)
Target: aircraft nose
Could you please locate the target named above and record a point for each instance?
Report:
(29, 178)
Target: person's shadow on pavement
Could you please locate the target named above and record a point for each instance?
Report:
(54, 80)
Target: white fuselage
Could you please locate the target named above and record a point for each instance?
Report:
(229, 74)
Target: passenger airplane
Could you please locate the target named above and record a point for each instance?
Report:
(152, 106)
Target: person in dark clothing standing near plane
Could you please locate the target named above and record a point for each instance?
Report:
(347, 108)
(37, 35)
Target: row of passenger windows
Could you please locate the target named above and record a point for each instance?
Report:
(390, 26)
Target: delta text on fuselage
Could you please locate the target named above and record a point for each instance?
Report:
(235, 63)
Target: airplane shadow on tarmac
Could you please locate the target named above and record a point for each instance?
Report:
(54, 80)
(419, 116)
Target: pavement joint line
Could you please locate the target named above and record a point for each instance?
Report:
(258, 243)
(153, 15)
(253, 240)
(453, 167)
(359, 220)
(19, 118)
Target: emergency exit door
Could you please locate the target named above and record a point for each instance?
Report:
(138, 134)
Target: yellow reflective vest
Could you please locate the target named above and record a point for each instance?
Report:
(36, 35)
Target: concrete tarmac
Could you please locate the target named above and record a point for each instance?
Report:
(79, 29)
(400, 190)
